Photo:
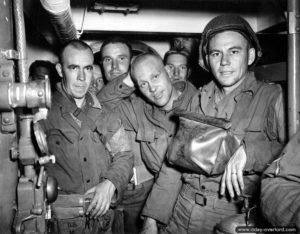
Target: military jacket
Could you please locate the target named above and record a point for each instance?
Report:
(151, 128)
(263, 140)
(89, 144)
(280, 192)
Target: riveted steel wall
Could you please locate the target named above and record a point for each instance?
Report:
(8, 167)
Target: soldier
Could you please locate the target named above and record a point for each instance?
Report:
(280, 192)
(93, 158)
(229, 49)
(98, 81)
(148, 119)
(190, 45)
(40, 69)
(115, 56)
(177, 65)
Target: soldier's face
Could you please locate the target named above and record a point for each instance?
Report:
(115, 60)
(153, 82)
(177, 67)
(77, 71)
(229, 56)
(97, 82)
(40, 73)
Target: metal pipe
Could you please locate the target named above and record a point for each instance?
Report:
(21, 40)
(31, 94)
(27, 150)
(293, 65)
(60, 16)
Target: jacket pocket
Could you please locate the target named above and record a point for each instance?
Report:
(58, 134)
(254, 133)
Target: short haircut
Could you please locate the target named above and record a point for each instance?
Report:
(41, 63)
(77, 44)
(182, 52)
(115, 40)
(141, 57)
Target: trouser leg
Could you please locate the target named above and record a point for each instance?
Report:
(70, 226)
(132, 205)
(193, 214)
(81, 225)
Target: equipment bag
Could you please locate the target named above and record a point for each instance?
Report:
(202, 144)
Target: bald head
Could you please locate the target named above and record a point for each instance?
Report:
(152, 79)
(145, 60)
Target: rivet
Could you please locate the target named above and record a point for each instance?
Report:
(6, 120)
(40, 93)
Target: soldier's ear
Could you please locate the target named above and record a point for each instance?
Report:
(59, 69)
(251, 56)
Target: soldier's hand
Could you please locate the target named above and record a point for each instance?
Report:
(100, 203)
(232, 179)
(150, 226)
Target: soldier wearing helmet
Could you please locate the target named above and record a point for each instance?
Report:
(229, 49)
(228, 23)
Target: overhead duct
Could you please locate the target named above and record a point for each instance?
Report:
(60, 16)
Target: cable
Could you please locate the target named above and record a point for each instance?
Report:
(83, 18)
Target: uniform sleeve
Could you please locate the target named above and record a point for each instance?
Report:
(276, 133)
(115, 96)
(163, 195)
(117, 143)
(280, 194)
(114, 92)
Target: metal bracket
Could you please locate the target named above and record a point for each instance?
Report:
(294, 22)
(112, 6)
(8, 122)
(8, 119)
(9, 54)
(7, 71)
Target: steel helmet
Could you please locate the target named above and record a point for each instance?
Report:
(228, 22)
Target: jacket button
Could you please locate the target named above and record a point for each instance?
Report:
(57, 142)
(81, 138)
(88, 181)
(203, 187)
(84, 159)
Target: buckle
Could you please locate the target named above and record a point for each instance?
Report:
(200, 199)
